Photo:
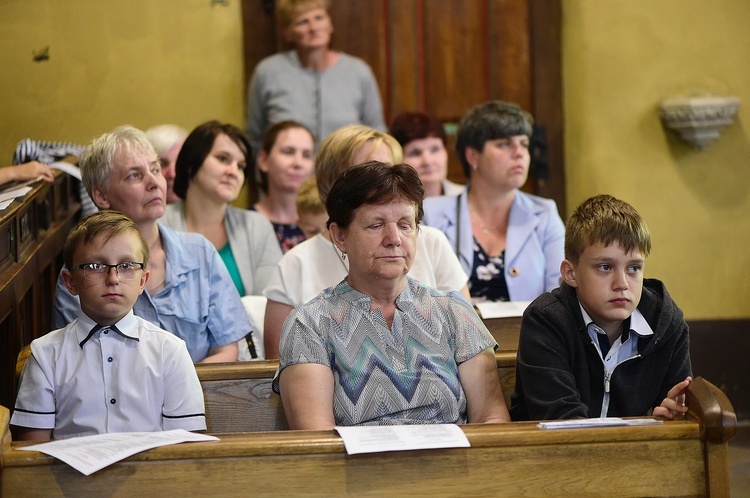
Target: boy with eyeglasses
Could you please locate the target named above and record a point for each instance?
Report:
(108, 370)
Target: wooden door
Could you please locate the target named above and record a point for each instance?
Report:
(444, 56)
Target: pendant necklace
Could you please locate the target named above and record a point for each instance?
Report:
(485, 229)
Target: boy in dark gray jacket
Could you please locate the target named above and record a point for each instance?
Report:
(606, 342)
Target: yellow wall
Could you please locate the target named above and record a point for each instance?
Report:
(146, 62)
(140, 62)
(620, 59)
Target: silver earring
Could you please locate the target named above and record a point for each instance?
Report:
(343, 256)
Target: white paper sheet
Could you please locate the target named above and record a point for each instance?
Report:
(375, 439)
(597, 422)
(9, 195)
(70, 169)
(501, 309)
(91, 453)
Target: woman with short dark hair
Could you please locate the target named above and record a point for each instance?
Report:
(380, 348)
(423, 139)
(510, 243)
(210, 173)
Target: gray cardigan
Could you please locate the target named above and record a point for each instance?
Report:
(344, 94)
(253, 241)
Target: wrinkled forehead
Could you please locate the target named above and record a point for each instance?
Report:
(397, 208)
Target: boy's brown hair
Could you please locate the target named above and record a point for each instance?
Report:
(605, 219)
(107, 223)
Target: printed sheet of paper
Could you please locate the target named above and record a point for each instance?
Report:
(9, 195)
(375, 439)
(597, 422)
(70, 169)
(501, 309)
(91, 453)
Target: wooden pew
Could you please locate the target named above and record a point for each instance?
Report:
(677, 458)
(239, 397)
(32, 235)
(505, 331)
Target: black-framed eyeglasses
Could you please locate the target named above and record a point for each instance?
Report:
(98, 271)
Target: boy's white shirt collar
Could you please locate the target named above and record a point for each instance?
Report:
(638, 323)
(127, 325)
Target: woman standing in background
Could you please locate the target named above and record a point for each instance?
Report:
(321, 88)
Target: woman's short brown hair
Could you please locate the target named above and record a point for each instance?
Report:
(198, 145)
(373, 182)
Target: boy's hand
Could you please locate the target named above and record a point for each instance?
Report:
(674, 403)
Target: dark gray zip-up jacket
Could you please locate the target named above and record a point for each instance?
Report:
(560, 375)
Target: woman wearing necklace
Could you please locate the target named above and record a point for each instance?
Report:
(510, 243)
(316, 263)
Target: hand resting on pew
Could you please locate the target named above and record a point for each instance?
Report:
(674, 403)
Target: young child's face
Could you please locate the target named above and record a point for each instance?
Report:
(608, 283)
(313, 224)
(108, 297)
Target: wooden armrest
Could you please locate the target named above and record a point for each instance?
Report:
(712, 409)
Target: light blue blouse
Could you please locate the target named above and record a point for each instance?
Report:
(199, 302)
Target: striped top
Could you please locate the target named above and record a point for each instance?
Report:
(407, 374)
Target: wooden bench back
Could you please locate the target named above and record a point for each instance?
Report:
(677, 458)
(239, 397)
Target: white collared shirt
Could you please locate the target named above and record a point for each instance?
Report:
(620, 350)
(141, 379)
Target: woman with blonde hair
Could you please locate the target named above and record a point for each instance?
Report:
(316, 263)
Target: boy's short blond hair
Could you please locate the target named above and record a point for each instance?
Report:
(286, 10)
(308, 199)
(107, 223)
(605, 219)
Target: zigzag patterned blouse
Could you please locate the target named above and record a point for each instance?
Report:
(407, 374)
